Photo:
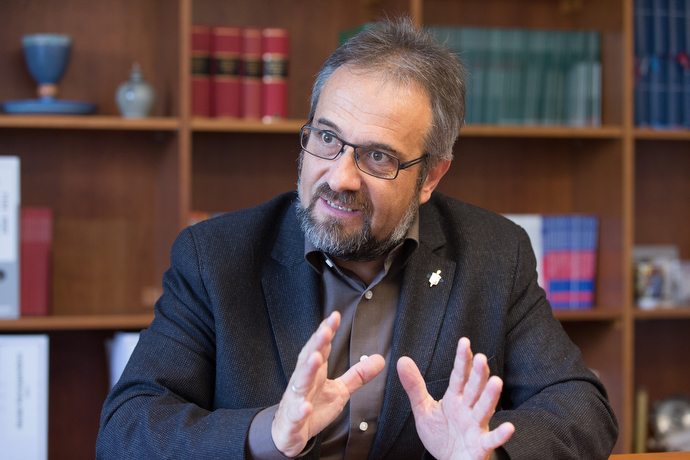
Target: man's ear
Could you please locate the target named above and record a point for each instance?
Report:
(432, 179)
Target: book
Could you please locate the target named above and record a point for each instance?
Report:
(566, 250)
(252, 69)
(276, 52)
(201, 71)
(528, 77)
(226, 47)
(24, 396)
(643, 30)
(674, 70)
(658, 79)
(118, 349)
(9, 236)
(593, 93)
(684, 60)
(36, 237)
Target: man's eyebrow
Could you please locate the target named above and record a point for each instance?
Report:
(372, 145)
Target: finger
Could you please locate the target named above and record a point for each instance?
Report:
(486, 406)
(496, 438)
(308, 366)
(461, 368)
(321, 338)
(361, 373)
(477, 381)
(306, 376)
(413, 383)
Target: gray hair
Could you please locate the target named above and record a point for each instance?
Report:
(407, 56)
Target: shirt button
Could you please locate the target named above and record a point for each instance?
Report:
(363, 357)
(363, 426)
(368, 295)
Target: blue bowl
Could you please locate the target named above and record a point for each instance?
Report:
(47, 56)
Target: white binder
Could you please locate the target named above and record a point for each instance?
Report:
(9, 237)
(24, 397)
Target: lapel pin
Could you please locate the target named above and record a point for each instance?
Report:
(435, 278)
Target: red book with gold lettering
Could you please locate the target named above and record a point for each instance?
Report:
(201, 71)
(275, 75)
(251, 73)
(225, 81)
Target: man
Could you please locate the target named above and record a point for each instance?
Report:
(401, 279)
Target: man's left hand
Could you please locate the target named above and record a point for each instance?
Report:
(457, 426)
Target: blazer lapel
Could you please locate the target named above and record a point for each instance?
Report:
(417, 328)
(292, 294)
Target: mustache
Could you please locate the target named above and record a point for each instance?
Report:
(347, 198)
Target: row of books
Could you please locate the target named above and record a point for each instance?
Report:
(566, 250)
(528, 77)
(662, 64)
(26, 236)
(240, 72)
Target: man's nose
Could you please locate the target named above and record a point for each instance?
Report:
(344, 174)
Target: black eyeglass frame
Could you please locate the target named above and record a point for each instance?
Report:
(401, 165)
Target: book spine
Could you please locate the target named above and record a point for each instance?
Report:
(684, 60)
(226, 49)
(642, 15)
(24, 396)
(276, 53)
(250, 80)
(9, 236)
(674, 96)
(201, 71)
(594, 75)
(35, 259)
(658, 78)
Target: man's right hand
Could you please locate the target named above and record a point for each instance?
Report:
(311, 401)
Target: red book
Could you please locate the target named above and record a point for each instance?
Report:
(225, 81)
(275, 75)
(201, 71)
(251, 73)
(36, 238)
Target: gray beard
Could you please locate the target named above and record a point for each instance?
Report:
(331, 238)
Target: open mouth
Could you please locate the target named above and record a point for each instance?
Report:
(341, 208)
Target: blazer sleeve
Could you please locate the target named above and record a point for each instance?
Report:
(558, 406)
(163, 405)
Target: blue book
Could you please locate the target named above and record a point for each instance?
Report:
(685, 62)
(674, 100)
(643, 46)
(658, 79)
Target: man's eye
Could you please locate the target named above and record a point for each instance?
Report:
(378, 156)
(327, 138)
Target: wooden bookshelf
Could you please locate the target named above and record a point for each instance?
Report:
(121, 189)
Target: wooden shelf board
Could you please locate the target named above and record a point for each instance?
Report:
(293, 126)
(671, 135)
(662, 313)
(244, 126)
(85, 322)
(604, 132)
(594, 314)
(103, 122)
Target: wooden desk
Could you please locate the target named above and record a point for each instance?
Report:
(655, 456)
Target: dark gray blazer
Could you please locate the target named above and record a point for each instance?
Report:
(240, 301)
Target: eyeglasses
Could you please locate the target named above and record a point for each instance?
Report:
(326, 145)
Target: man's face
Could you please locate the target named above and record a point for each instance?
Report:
(350, 214)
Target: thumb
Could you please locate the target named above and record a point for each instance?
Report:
(413, 382)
